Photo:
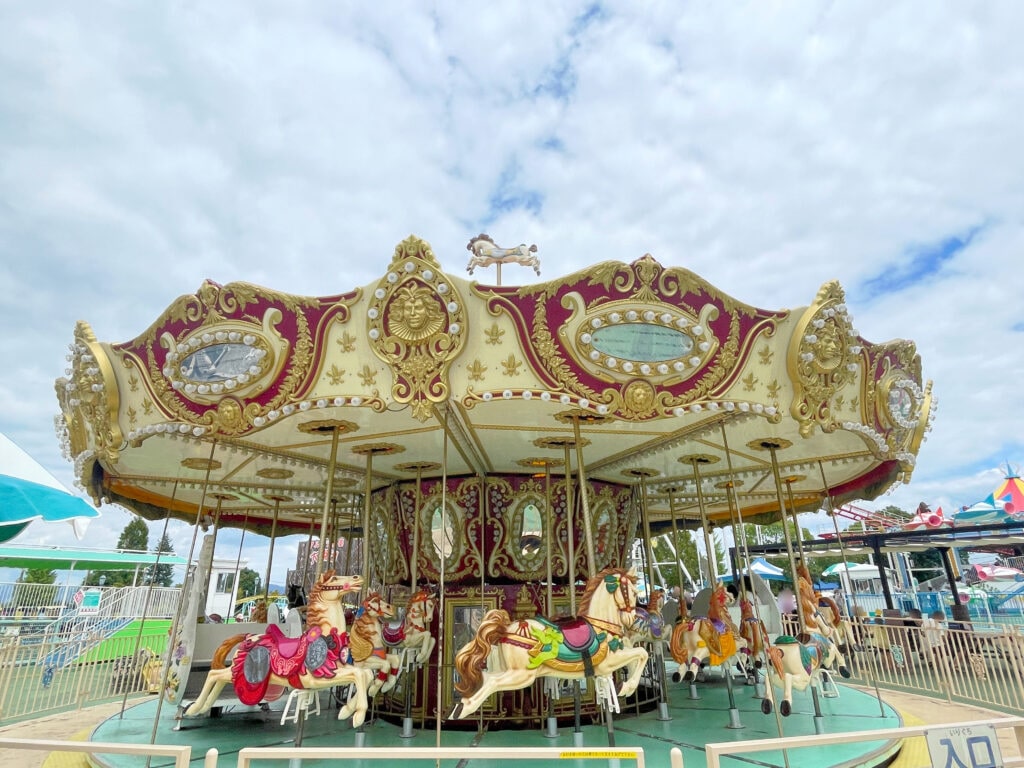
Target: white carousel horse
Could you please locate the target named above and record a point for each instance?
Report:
(413, 634)
(318, 659)
(508, 655)
(486, 253)
(711, 639)
(798, 665)
(366, 643)
(649, 626)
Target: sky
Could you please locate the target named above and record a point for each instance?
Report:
(768, 147)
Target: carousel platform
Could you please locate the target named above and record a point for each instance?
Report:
(693, 724)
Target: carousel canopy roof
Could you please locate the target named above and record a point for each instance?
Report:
(238, 399)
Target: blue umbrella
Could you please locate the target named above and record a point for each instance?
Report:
(42, 497)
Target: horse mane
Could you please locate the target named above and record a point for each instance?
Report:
(598, 581)
(316, 612)
(715, 608)
(481, 236)
(361, 637)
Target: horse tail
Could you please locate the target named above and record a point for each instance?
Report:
(221, 654)
(677, 643)
(471, 659)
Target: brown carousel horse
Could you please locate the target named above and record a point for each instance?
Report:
(713, 639)
(366, 642)
(317, 659)
(412, 635)
(822, 613)
(508, 655)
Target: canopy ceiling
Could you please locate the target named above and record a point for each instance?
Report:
(671, 384)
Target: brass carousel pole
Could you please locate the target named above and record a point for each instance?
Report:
(442, 562)
(570, 509)
(773, 447)
(853, 594)
(332, 462)
(277, 499)
(657, 647)
(734, 499)
(695, 462)
(588, 530)
(789, 480)
(550, 683)
(189, 585)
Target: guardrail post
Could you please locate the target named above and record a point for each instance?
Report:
(675, 757)
(211, 758)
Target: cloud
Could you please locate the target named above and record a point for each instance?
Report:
(145, 148)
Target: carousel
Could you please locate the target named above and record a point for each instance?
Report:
(481, 458)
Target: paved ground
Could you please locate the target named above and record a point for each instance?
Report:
(79, 724)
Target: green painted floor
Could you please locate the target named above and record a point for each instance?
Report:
(693, 724)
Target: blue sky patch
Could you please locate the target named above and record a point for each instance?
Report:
(918, 262)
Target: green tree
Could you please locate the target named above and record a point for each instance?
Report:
(135, 538)
(686, 547)
(248, 583)
(161, 574)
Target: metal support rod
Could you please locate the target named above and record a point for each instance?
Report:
(328, 493)
(588, 527)
(367, 501)
(712, 569)
(415, 565)
(772, 450)
(273, 534)
(570, 532)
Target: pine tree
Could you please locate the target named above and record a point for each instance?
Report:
(161, 574)
(134, 537)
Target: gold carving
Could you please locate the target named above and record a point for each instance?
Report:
(200, 463)
(133, 416)
(638, 399)
(476, 370)
(414, 313)
(133, 383)
(347, 342)
(494, 334)
(820, 358)
(766, 355)
(368, 376)
(335, 375)
(749, 382)
(147, 407)
(511, 366)
(417, 326)
(774, 388)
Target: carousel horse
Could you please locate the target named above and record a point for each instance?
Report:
(795, 664)
(366, 643)
(413, 633)
(486, 253)
(752, 630)
(713, 639)
(318, 659)
(811, 601)
(508, 655)
(649, 626)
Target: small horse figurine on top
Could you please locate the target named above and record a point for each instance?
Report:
(486, 253)
(317, 659)
(507, 655)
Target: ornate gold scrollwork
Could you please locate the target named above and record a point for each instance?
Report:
(822, 359)
(89, 399)
(416, 323)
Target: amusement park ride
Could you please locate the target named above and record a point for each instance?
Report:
(498, 447)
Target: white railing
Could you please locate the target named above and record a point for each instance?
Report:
(714, 753)
(181, 754)
(250, 755)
